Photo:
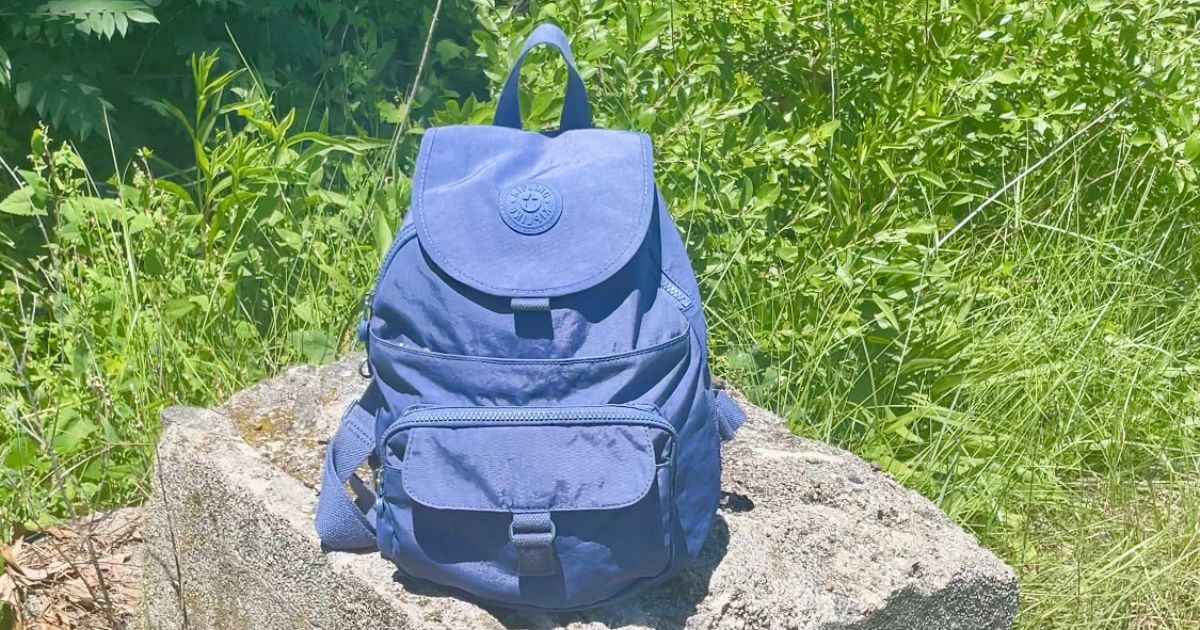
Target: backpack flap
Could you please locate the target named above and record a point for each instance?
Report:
(525, 215)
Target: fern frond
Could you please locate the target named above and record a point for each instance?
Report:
(64, 99)
(101, 18)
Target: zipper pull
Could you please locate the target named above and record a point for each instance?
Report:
(364, 322)
(364, 331)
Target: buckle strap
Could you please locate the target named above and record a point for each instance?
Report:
(532, 534)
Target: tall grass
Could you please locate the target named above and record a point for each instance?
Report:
(958, 239)
(126, 296)
(1061, 424)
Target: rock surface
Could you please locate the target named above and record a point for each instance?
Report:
(808, 537)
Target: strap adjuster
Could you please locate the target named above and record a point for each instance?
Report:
(533, 534)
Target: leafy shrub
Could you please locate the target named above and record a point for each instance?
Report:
(959, 239)
(98, 67)
(159, 293)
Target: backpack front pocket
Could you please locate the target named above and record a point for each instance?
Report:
(552, 507)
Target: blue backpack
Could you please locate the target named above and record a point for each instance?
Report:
(540, 411)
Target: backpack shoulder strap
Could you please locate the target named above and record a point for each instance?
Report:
(341, 523)
(730, 416)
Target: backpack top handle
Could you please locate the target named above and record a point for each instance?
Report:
(576, 112)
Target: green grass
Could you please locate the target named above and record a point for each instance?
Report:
(959, 240)
(1066, 433)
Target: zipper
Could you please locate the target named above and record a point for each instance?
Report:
(364, 318)
(424, 415)
(674, 291)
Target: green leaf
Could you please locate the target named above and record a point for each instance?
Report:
(179, 192)
(931, 177)
(141, 17)
(20, 453)
(22, 93)
(788, 252)
(1006, 76)
(315, 346)
(290, 238)
(828, 127)
(21, 202)
(1191, 148)
(73, 430)
(381, 231)
(178, 308)
(76, 209)
(447, 49)
(103, 18)
(59, 96)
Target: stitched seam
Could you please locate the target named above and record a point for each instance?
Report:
(535, 362)
(359, 433)
(643, 141)
(414, 440)
(352, 428)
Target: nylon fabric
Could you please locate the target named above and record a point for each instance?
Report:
(341, 523)
(730, 416)
(521, 468)
(459, 203)
(576, 113)
(540, 405)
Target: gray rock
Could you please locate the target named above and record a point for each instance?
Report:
(808, 537)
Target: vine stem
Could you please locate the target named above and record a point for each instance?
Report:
(390, 158)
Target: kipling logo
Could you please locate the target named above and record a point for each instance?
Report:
(530, 207)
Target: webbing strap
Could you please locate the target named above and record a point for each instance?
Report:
(533, 535)
(530, 304)
(341, 523)
(730, 416)
(576, 112)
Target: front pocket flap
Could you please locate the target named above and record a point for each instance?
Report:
(520, 214)
(520, 468)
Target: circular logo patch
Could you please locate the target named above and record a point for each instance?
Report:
(530, 207)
